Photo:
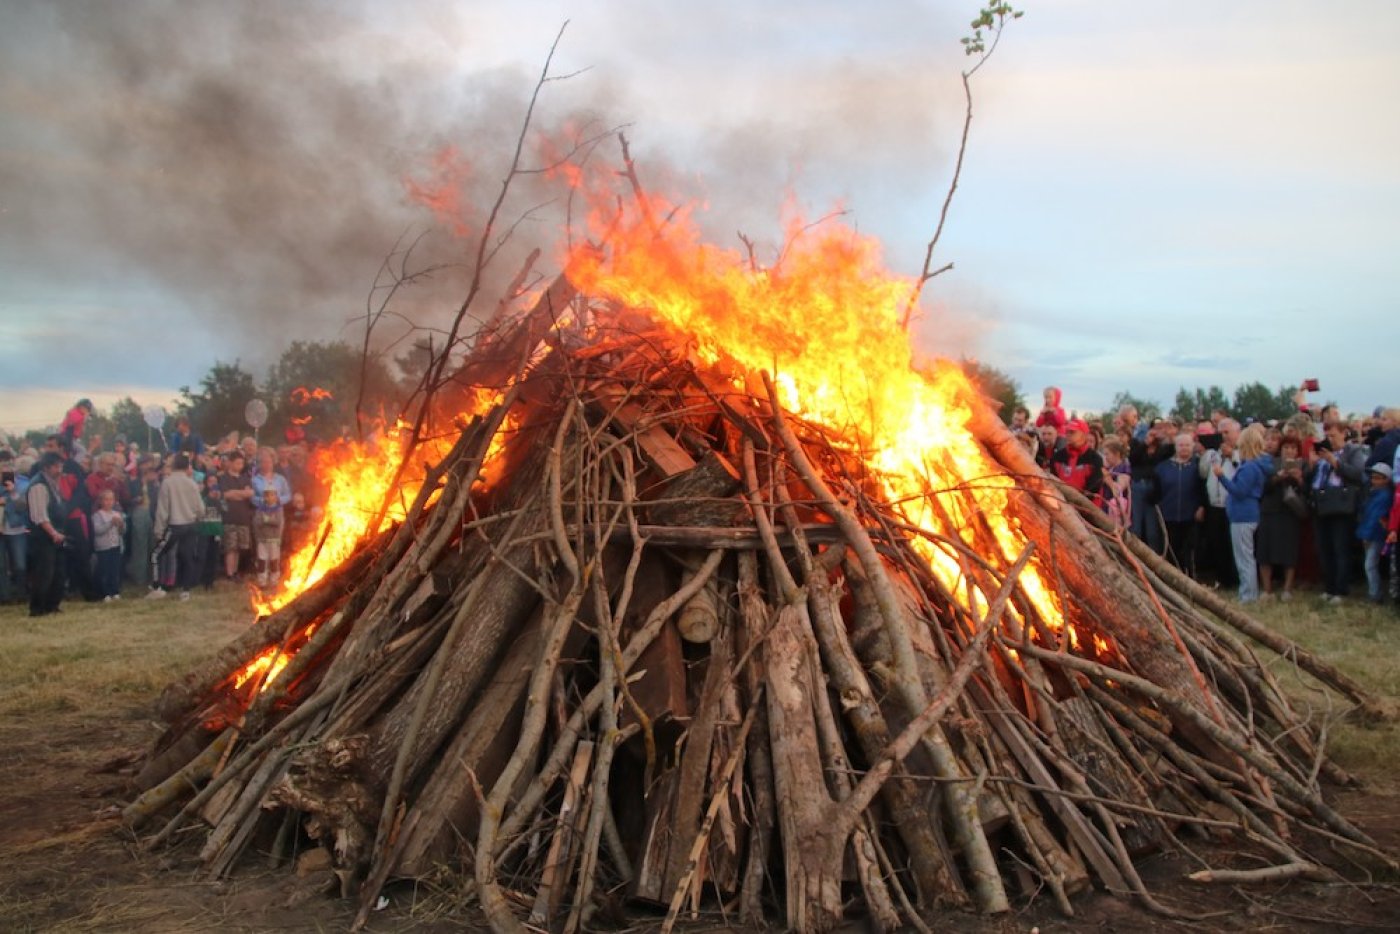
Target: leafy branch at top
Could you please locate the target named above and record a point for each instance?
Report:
(992, 19)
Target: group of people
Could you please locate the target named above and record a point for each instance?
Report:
(82, 519)
(1236, 505)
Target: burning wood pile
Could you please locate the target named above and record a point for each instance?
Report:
(664, 633)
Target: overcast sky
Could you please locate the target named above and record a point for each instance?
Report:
(1156, 194)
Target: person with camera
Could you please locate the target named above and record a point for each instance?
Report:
(1337, 481)
(47, 512)
(1281, 511)
(1218, 449)
(1156, 446)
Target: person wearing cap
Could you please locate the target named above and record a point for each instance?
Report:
(1375, 512)
(1077, 463)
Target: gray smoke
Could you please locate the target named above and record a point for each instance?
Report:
(248, 159)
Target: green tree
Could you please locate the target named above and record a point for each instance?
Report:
(127, 420)
(1198, 403)
(1148, 409)
(995, 385)
(321, 381)
(218, 405)
(1255, 400)
(1184, 407)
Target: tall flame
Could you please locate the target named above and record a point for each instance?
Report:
(825, 320)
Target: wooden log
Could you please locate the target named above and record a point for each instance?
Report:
(558, 862)
(181, 782)
(662, 453)
(698, 620)
(495, 607)
(812, 852)
(702, 495)
(503, 350)
(1088, 744)
(171, 753)
(447, 806)
(695, 760)
(657, 693)
(491, 607)
(657, 839)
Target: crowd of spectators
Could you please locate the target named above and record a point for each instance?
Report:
(85, 520)
(1258, 506)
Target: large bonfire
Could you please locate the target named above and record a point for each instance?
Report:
(718, 599)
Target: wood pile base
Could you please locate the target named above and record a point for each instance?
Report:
(684, 655)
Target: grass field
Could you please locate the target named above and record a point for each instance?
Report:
(75, 707)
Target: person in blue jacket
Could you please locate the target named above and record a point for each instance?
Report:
(1243, 492)
(1375, 513)
(1181, 501)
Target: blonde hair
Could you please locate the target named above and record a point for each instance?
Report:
(1251, 442)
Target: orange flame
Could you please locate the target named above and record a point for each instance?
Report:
(302, 396)
(825, 321)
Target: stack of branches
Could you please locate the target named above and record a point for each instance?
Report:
(678, 651)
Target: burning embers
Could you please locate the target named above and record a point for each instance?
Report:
(724, 601)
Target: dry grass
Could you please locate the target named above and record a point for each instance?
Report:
(1361, 640)
(122, 652)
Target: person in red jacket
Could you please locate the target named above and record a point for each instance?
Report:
(1077, 463)
(1052, 414)
(73, 422)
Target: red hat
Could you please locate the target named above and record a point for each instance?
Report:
(1077, 424)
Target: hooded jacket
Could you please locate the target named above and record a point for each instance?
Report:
(1246, 487)
(1052, 414)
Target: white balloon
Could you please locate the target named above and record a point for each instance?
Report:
(255, 412)
(154, 415)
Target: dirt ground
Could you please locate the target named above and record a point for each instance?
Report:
(67, 865)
